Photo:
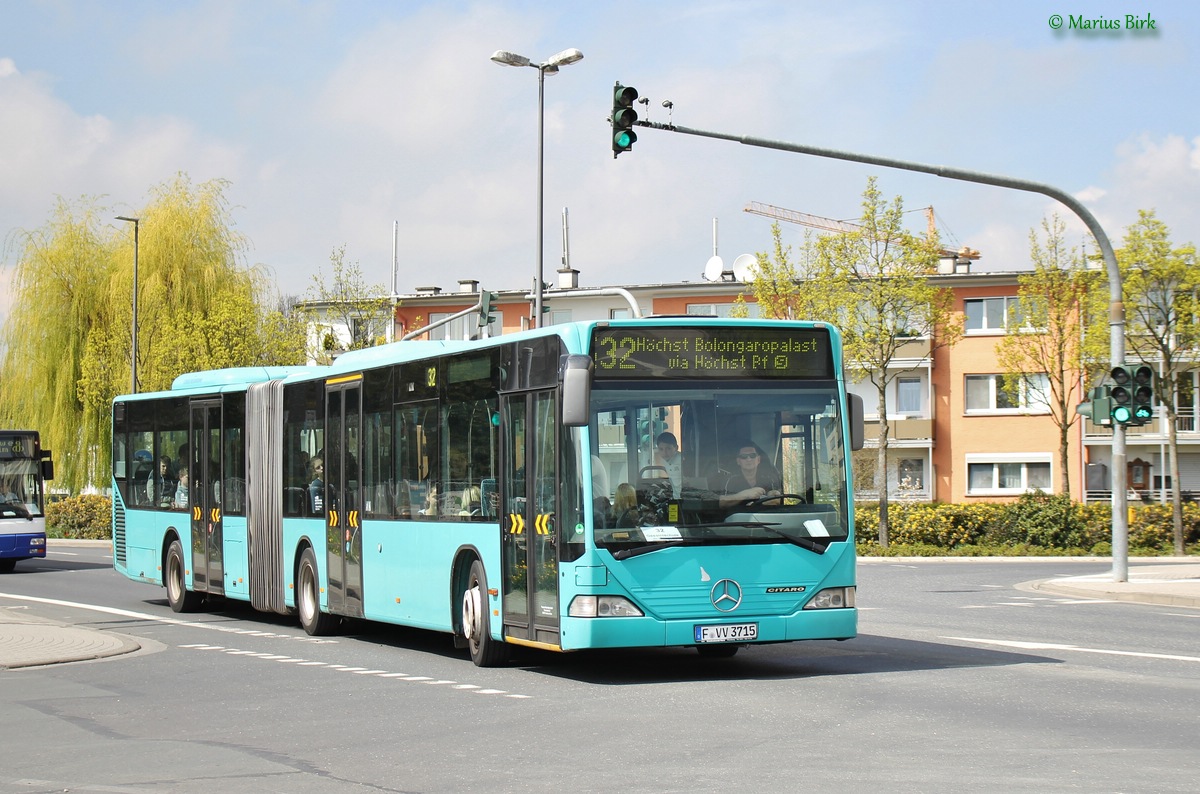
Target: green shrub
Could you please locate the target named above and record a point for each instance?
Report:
(1152, 526)
(1036, 524)
(87, 517)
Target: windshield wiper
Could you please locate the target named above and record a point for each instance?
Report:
(804, 543)
(624, 554)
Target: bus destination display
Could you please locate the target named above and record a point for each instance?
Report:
(717, 352)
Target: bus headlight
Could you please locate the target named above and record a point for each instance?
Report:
(37, 541)
(832, 598)
(604, 606)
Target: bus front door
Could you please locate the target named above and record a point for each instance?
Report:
(343, 516)
(529, 493)
(208, 570)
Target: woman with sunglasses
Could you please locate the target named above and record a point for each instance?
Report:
(754, 479)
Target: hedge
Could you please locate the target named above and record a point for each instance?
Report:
(87, 517)
(1035, 523)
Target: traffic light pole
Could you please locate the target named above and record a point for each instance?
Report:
(1116, 316)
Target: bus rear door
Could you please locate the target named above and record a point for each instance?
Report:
(343, 515)
(208, 573)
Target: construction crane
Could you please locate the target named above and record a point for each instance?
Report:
(845, 227)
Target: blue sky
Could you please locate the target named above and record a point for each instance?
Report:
(331, 120)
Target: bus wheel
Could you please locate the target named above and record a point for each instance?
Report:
(476, 625)
(308, 598)
(717, 651)
(8, 566)
(178, 596)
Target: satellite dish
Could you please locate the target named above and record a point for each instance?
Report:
(714, 268)
(743, 267)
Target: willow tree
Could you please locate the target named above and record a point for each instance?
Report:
(59, 300)
(874, 283)
(68, 339)
(1160, 284)
(1057, 336)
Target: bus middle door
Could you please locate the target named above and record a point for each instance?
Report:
(208, 570)
(529, 544)
(343, 516)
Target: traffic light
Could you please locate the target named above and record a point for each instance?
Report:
(1098, 408)
(487, 309)
(1143, 394)
(623, 118)
(1122, 395)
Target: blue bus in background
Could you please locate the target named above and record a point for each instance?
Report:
(632, 483)
(24, 469)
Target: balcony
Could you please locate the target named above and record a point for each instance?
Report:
(900, 430)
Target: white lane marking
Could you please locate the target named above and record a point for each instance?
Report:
(474, 689)
(125, 613)
(1053, 646)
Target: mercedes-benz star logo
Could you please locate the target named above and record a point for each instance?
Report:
(726, 595)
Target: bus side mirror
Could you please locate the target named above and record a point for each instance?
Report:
(576, 391)
(854, 405)
(47, 466)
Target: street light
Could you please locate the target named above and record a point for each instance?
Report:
(551, 65)
(133, 356)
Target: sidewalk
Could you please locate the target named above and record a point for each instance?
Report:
(1169, 584)
(29, 641)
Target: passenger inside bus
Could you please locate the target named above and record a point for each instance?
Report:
(161, 487)
(180, 497)
(316, 488)
(472, 504)
(625, 511)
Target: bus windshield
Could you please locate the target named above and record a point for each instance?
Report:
(19, 487)
(707, 462)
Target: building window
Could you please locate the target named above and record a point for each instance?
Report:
(908, 395)
(991, 315)
(620, 314)
(911, 474)
(991, 394)
(1007, 475)
(464, 327)
(720, 309)
(558, 316)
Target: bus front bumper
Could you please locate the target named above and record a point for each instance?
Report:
(23, 546)
(647, 632)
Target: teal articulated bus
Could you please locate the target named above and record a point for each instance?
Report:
(633, 483)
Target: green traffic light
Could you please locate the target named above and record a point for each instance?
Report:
(1143, 412)
(1122, 414)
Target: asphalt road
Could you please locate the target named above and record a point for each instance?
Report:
(959, 681)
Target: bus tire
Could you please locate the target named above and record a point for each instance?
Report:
(476, 622)
(8, 566)
(175, 580)
(308, 598)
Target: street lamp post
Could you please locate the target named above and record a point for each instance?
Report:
(133, 333)
(551, 65)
